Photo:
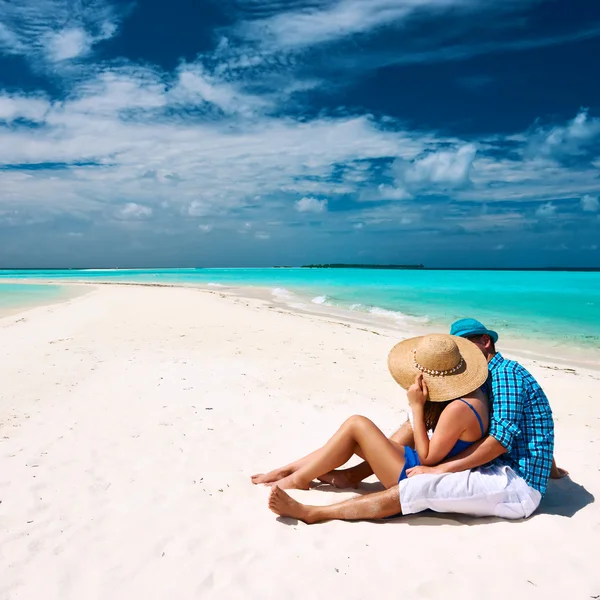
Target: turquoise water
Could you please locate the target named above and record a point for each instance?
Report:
(557, 306)
(14, 296)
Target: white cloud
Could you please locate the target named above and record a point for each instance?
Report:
(205, 228)
(590, 203)
(313, 205)
(571, 139)
(31, 108)
(143, 138)
(8, 40)
(324, 22)
(118, 121)
(37, 29)
(261, 235)
(68, 43)
(275, 33)
(198, 209)
(109, 92)
(195, 86)
(446, 168)
(389, 192)
(490, 222)
(133, 211)
(143, 148)
(546, 210)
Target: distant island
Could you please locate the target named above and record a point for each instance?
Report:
(351, 266)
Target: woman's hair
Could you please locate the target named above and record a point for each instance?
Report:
(432, 412)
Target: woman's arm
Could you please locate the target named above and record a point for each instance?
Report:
(447, 432)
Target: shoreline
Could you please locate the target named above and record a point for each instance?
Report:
(520, 348)
(68, 292)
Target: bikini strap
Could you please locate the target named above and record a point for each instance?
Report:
(476, 414)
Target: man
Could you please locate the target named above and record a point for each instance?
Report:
(504, 475)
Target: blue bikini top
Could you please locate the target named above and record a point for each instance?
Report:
(460, 444)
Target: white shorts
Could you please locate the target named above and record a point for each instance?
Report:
(490, 491)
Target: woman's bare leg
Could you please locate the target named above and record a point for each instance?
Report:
(278, 474)
(285, 471)
(351, 477)
(281, 472)
(356, 435)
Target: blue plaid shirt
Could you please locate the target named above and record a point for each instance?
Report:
(521, 420)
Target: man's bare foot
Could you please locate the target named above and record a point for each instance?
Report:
(271, 476)
(558, 473)
(340, 479)
(290, 483)
(284, 505)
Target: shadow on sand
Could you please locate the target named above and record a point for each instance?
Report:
(564, 498)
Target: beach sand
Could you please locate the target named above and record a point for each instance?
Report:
(131, 419)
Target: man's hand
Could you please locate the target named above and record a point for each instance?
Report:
(418, 392)
(421, 470)
(556, 472)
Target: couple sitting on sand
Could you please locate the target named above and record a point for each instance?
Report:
(480, 441)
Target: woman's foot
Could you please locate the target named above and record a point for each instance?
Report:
(285, 506)
(271, 476)
(340, 479)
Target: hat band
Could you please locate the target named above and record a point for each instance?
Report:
(433, 371)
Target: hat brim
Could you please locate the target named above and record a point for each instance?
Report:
(493, 335)
(471, 376)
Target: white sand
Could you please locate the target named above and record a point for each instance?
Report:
(131, 419)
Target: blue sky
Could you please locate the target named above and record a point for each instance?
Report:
(261, 132)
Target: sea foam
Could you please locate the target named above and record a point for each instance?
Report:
(282, 294)
(323, 300)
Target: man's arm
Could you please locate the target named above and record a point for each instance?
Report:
(478, 454)
(504, 426)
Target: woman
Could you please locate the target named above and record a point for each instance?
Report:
(447, 374)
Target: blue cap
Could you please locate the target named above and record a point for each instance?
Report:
(468, 327)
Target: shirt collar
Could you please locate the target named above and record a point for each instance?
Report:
(495, 361)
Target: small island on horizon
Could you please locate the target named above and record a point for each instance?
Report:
(360, 266)
(424, 268)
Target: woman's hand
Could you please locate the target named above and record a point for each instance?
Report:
(422, 470)
(418, 393)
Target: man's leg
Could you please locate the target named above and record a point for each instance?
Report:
(491, 491)
(351, 478)
(371, 506)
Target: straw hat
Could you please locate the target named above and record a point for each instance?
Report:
(451, 366)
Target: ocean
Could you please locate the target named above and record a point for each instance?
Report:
(19, 296)
(554, 307)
